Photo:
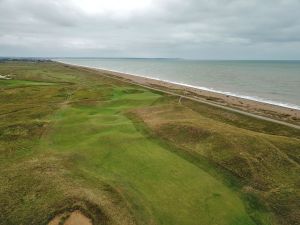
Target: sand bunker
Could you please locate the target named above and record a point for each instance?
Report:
(73, 218)
(5, 77)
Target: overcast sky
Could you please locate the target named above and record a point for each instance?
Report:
(204, 29)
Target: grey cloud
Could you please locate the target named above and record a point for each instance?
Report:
(169, 28)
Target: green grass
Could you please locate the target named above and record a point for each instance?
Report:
(126, 155)
(174, 189)
(20, 83)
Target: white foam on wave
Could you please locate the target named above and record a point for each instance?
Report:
(253, 98)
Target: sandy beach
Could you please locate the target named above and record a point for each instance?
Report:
(255, 107)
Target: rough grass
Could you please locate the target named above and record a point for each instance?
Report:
(71, 140)
(266, 163)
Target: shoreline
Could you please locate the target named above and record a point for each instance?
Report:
(242, 96)
(270, 110)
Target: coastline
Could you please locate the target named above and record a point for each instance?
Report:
(204, 88)
(265, 109)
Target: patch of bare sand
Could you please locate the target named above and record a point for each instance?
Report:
(55, 220)
(74, 218)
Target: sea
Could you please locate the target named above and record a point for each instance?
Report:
(275, 82)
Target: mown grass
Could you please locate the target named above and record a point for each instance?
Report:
(121, 156)
(73, 139)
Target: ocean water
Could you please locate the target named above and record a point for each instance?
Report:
(275, 82)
